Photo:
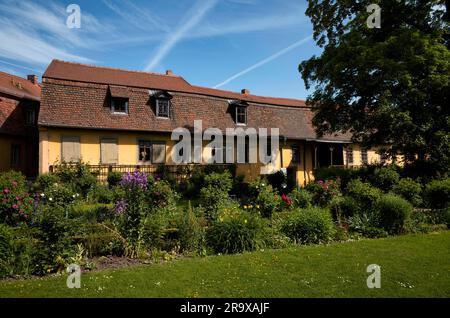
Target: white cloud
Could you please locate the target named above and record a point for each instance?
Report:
(191, 20)
(265, 61)
(139, 17)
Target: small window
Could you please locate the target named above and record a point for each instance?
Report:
(295, 154)
(70, 149)
(349, 154)
(162, 108)
(15, 155)
(152, 152)
(119, 105)
(241, 115)
(364, 158)
(30, 117)
(145, 148)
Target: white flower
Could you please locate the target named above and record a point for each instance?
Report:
(55, 184)
(263, 184)
(73, 196)
(77, 194)
(42, 194)
(50, 199)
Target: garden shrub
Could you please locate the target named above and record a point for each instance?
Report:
(6, 250)
(101, 194)
(59, 194)
(214, 194)
(235, 231)
(191, 233)
(364, 194)
(367, 224)
(437, 194)
(77, 176)
(309, 226)
(344, 206)
(323, 191)
(97, 212)
(153, 229)
(301, 198)
(16, 205)
(394, 213)
(410, 190)
(385, 178)
(161, 195)
(45, 181)
(267, 201)
(114, 178)
(53, 244)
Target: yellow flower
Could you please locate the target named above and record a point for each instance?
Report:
(245, 206)
(250, 206)
(245, 221)
(257, 206)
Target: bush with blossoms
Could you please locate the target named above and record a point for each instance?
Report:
(324, 191)
(16, 205)
(131, 208)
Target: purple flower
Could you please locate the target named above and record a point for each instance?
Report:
(136, 179)
(120, 207)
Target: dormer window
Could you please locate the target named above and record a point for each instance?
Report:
(119, 99)
(119, 105)
(238, 111)
(162, 108)
(241, 115)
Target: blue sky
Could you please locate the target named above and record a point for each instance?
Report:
(228, 44)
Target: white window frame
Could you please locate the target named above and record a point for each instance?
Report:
(237, 108)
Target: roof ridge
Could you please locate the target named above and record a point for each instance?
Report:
(226, 91)
(16, 76)
(118, 69)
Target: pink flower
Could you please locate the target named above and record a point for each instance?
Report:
(6, 191)
(14, 206)
(14, 184)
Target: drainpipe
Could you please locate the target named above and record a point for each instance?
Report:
(304, 163)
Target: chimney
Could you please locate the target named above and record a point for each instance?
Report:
(169, 73)
(245, 91)
(33, 79)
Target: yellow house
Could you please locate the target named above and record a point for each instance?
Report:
(125, 119)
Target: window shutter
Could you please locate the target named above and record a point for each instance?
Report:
(70, 151)
(109, 151)
(159, 153)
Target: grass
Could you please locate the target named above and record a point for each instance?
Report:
(411, 266)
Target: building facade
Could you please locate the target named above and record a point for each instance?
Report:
(114, 117)
(19, 109)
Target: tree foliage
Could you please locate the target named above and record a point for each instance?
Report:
(388, 86)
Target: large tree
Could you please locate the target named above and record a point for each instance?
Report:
(388, 86)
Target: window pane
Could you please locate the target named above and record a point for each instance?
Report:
(144, 151)
(15, 155)
(295, 154)
(119, 105)
(162, 108)
(159, 153)
(364, 158)
(349, 155)
(241, 113)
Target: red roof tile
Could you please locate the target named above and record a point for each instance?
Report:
(19, 87)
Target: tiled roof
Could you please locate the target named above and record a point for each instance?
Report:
(19, 87)
(14, 89)
(114, 76)
(75, 95)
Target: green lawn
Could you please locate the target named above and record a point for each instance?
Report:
(411, 266)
